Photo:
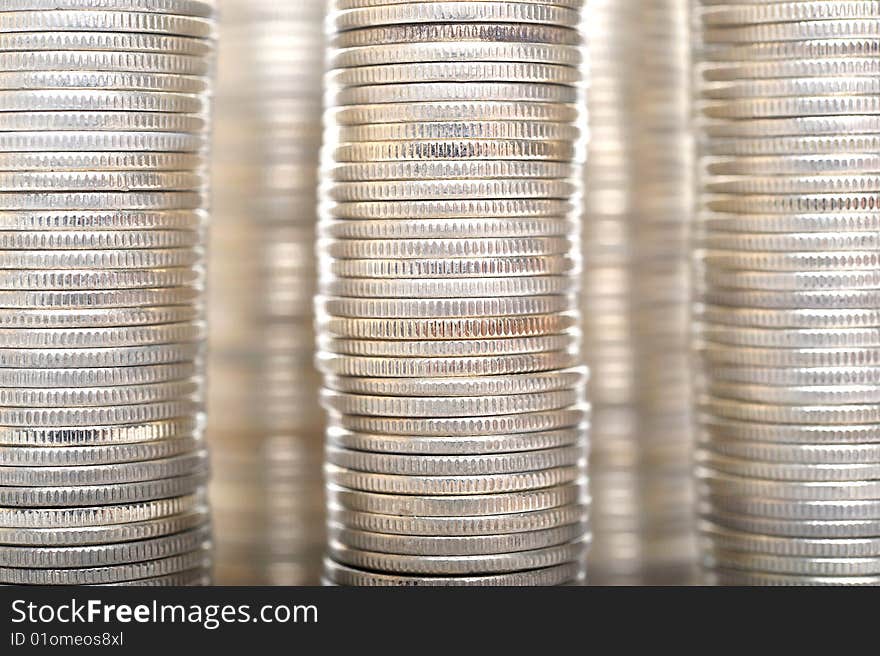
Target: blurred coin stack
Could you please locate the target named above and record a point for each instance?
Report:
(635, 298)
(789, 277)
(104, 108)
(448, 324)
(265, 421)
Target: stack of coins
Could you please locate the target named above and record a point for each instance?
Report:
(265, 421)
(635, 296)
(617, 552)
(790, 337)
(448, 324)
(104, 114)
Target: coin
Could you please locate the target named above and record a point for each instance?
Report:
(447, 324)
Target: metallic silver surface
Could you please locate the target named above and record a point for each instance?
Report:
(102, 465)
(786, 290)
(448, 320)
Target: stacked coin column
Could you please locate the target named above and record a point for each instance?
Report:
(635, 296)
(104, 110)
(265, 422)
(456, 448)
(789, 276)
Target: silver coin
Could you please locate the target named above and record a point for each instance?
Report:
(411, 406)
(464, 267)
(104, 554)
(791, 145)
(807, 395)
(440, 169)
(440, 329)
(475, 545)
(202, 8)
(461, 51)
(453, 111)
(852, 65)
(453, 12)
(59, 279)
(345, 365)
(71, 100)
(95, 435)
(450, 485)
(108, 80)
(190, 578)
(377, 308)
(792, 31)
(555, 575)
(815, 529)
(753, 14)
(453, 465)
(788, 471)
(741, 577)
(458, 506)
(98, 396)
(454, 148)
(826, 567)
(807, 241)
(96, 516)
(790, 337)
(794, 87)
(802, 126)
(792, 261)
(107, 574)
(803, 318)
(468, 208)
(792, 414)
(794, 280)
(450, 91)
(465, 426)
(106, 337)
(463, 31)
(339, 5)
(105, 21)
(458, 565)
(98, 535)
(99, 181)
(467, 445)
(80, 140)
(799, 453)
(822, 379)
(114, 473)
(443, 71)
(102, 259)
(345, 192)
(55, 456)
(454, 387)
(137, 200)
(104, 220)
(91, 495)
(448, 288)
(99, 318)
(104, 161)
(811, 511)
(733, 485)
(461, 526)
(97, 239)
(62, 39)
(748, 108)
(93, 121)
(448, 348)
(789, 433)
(823, 299)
